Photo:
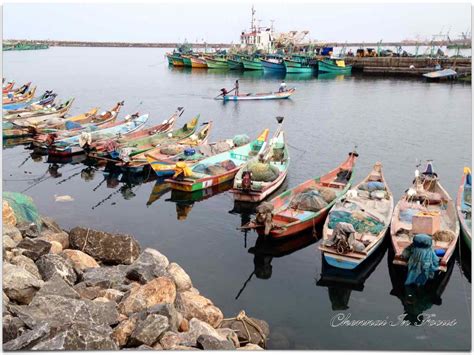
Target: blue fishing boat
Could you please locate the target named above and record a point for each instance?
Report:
(274, 64)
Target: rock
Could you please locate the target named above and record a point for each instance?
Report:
(181, 278)
(57, 286)
(12, 328)
(89, 293)
(105, 276)
(56, 247)
(8, 215)
(169, 311)
(13, 232)
(52, 264)
(50, 225)
(80, 260)
(5, 302)
(159, 290)
(145, 347)
(207, 342)
(78, 336)
(18, 284)
(184, 325)
(193, 305)
(111, 294)
(60, 237)
(250, 347)
(157, 346)
(230, 335)
(34, 248)
(197, 328)
(122, 332)
(149, 265)
(106, 247)
(149, 330)
(8, 242)
(29, 230)
(182, 347)
(7, 256)
(28, 339)
(27, 264)
(169, 340)
(102, 299)
(58, 310)
(255, 337)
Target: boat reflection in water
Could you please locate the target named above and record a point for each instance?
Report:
(463, 259)
(186, 200)
(266, 249)
(417, 300)
(341, 282)
(159, 189)
(332, 76)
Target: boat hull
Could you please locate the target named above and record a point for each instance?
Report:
(252, 64)
(235, 64)
(254, 196)
(267, 96)
(198, 63)
(187, 62)
(204, 183)
(273, 67)
(216, 64)
(327, 67)
(293, 67)
(178, 61)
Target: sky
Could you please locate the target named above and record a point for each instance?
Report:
(222, 22)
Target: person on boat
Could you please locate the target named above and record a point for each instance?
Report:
(237, 88)
(282, 86)
(224, 92)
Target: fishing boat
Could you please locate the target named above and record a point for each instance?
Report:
(464, 205)
(217, 169)
(47, 98)
(367, 208)
(336, 66)
(264, 174)
(8, 87)
(40, 117)
(86, 140)
(11, 130)
(20, 91)
(427, 209)
(177, 60)
(187, 60)
(252, 63)
(18, 99)
(260, 96)
(217, 62)
(198, 62)
(298, 65)
(273, 64)
(235, 63)
(32, 110)
(169, 57)
(163, 161)
(294, 211)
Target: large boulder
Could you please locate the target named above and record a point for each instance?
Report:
(169, 340)
(106, 276)
(169, 311)
(29, 230)
(60, 237)
(106, 247)
(111, 294)
(181, 278)
(87, 292)
(34, 248)
(13, 232)
(8, 242)
(78, 336)
(208, 342)
(193, 305)
(196, 329)
(58, 287)
(250, 347)
(57, 311)
(13, 327)
(159, 290)
(52, 264)
(80, 260)
(8, 215)
(27, 264)
(258, 330)
(122, 332)
(149, 330)
(18, 284)
(149, 265)
(28, 339)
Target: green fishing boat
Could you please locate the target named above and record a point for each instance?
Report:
(24, 46)
(298, 65)
(235, 63)
(335, 66)
(252, 63)
(169, 57)
(187, 61)
(217, 62)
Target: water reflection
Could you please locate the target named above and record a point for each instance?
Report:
(463, 259)
(417, 300)
(159, 189)
(341, 283)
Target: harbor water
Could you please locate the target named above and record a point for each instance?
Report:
(308, 305)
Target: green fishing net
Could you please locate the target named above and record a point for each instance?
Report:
(23, 207)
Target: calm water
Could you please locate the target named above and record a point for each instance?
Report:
(398, 122)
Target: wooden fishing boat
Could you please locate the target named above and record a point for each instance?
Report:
(252, 63)
(235, 63)
(429, 202)
(260, 96)
(36, 120)
(288, 220)
(297, 65)
(216, 62)
(247, 187)
(197, 62)
(35, 110)
(187, 60)
(139, 161)
(169, 57)
(337, 66)
(217, 169)
(47, 98)
(369, 213)
(273, 65)
(164, 164)
(8, 87)
(18, 99)
(141, 145)
(11, 130)
(20, 91)
(86, 140)
(177, 60)
(464, 205)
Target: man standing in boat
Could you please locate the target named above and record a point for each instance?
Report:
(282, 86)
(236, 88)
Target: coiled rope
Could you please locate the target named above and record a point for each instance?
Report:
(242, 317)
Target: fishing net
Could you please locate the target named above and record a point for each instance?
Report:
(172, 149)
(263, 171)
(195, 156)
(422, 260)
(361, 225)
(278, 153)
(444, 236)
(309, 200)
(215, 170)
(220, 147)
(327, 193)
(240, 139)
(23, 207)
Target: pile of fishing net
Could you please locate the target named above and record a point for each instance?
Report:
(308, 200)
(422, 260)
(361, 222)
(23, 208)
(240, 140)
(172, 149)
(263, 171)
(278, 151)
(216, 148)
(215, 169)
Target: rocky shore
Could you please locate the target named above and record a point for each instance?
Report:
(90, 290)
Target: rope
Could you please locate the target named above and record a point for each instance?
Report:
(242, 317)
